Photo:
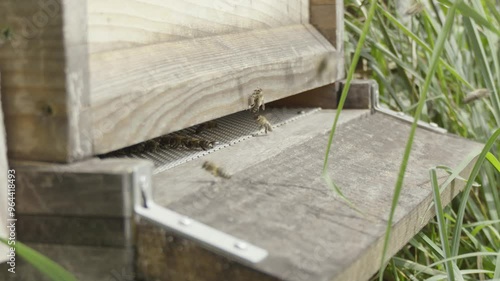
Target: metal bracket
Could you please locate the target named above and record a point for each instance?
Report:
(399, 115)
(211, 238)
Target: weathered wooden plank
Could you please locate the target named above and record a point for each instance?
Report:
(282, 205)
(137, 92)
(74, 230)
(179, 263)
(324, 97)
(328, 97)
(3, 184)
(173, 184)
(85, 203)
(86, 263)
(115, 24)
(100, 188)
(327, 16)
(45, 85)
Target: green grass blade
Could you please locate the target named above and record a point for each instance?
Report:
(493, 160)
(423, 45)
(465, 193)
(482, 60)
(43, 264)
(443, 232)
(350, 75)
(470, 12)
(496, 275)
(399, 184)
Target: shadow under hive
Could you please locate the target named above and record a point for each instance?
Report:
(230, 129)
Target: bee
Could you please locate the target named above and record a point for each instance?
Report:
(256, 101)
(415, 9)
(264, 123)
(172, 141)
(206, 126)
(214, 170)
(192, 143)
(475, 95)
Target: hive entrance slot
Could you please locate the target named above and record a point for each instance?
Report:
(230, 129)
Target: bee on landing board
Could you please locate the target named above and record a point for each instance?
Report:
(206, 126)
(256, 101)
(193, 143)
(264, 123)
(214, 170)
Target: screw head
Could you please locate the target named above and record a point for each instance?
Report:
(185, 221)
(241, 245)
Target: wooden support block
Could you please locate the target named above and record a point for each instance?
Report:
(85, 203)
(324, 97)
(281, 203)
(360, 94)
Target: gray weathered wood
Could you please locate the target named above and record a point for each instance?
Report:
(84, 203)
(74, 230)
(141, 93)
(89, 188)
(86, 263)
(124, 24)
(45, 85)
(79, 71)
(281, 203)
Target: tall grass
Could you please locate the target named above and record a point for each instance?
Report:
(430, 59)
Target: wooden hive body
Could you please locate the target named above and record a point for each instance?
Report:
(88, 77)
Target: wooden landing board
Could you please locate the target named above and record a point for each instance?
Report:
(143, 92)
(282, 205)
(85, 263)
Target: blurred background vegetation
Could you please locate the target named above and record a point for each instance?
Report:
(464, 98)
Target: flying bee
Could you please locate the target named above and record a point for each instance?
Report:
(192, 143)
(206, 126)
(256, 101)
(264, 123)
(475, 95)
(214, 170)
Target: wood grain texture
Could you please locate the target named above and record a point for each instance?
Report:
(45, 86)
(173, 184)
(84, 203)
(117, 24)
(137, 93)
(3, 184)
(178, 264)
(72, 230)
(86, 263)
(100, 188)
(282, 205)
(327, 16)
(324, 97)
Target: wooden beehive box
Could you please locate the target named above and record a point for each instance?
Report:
(88, 77)
(83, 78)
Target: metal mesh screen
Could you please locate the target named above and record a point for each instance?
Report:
(230, 129)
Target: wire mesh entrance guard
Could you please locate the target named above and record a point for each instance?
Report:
(230, 129)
